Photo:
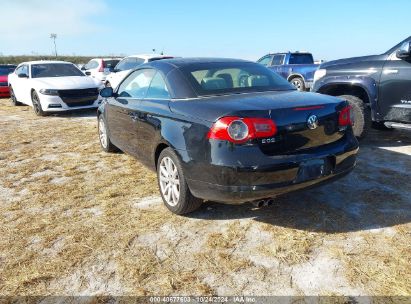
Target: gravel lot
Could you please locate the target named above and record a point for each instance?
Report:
(76, 221)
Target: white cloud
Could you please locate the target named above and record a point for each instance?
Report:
(27, 24)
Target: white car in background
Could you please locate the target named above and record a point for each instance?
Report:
(99, 68)
(130, 63)
(51, 86)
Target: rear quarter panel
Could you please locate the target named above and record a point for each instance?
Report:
(185, 135)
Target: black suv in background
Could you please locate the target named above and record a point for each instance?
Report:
(377, 87)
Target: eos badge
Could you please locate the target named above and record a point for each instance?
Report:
(312, 122)
(268, 140)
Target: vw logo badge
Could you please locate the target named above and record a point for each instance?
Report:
(312, 122)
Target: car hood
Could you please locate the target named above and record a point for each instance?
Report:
(66, 83)
(351, 60)
(212, 108)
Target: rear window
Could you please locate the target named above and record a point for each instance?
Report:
(110, 64)
(54, 70)
(129, 64)
(301, 59)
(223, 78)
(5, 70)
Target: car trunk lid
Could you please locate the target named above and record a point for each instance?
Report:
(302, 128)
(290, 110)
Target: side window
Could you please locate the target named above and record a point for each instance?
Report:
(87, 65)
(136, 84)
(92, 64)
(22, 70)
(19, 70)
(278, 59)
(265, 61)
(158, 88)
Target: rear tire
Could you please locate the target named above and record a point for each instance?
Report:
(103, 136)
(362, 115)
(298, 82)
(13, 98)
(37, 105)
(173, 186)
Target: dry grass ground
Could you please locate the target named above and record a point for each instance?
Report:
(76, 221)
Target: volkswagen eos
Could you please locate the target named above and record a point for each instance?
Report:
(224, 130)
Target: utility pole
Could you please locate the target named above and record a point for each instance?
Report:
(54, 37)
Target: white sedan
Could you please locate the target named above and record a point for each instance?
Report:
(51, 86)
(128, 64)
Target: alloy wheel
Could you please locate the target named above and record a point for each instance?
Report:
(297, 84)
(169, 181)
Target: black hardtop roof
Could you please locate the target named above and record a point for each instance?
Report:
(182, 62)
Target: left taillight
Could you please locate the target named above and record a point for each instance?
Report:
(344, 117)
(239, 130)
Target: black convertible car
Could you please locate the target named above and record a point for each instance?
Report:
(224, 130)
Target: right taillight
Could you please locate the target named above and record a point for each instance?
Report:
(344, 117)
(239, 130)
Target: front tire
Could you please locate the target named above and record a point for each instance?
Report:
(173, 186)
(103, 136)
(362, 115)
(36, 104)
(298, 82)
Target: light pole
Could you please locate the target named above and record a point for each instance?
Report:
(54, 37)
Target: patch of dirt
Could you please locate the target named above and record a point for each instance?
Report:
(77, 221)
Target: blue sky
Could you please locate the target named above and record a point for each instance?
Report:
(239, 29)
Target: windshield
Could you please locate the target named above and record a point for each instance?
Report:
(54, 70)
(233, 77)
(128, 64)
(5, 70)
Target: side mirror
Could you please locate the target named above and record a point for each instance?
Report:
(114, 70)
(107, 92)
(405, 50)
(83, 68)
(23, 75)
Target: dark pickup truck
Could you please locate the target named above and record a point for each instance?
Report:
(297, 67)
(377, 87)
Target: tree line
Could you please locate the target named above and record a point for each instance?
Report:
(23, 58)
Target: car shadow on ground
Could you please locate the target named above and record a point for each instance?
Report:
(83, 113)
(375, 195)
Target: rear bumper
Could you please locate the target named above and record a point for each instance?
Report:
(268, 176)
(241, 194)
(4, 92)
